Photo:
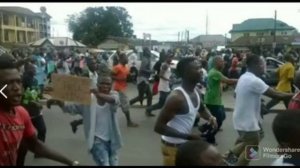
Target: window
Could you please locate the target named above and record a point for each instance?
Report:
(271, 64)
(5, 19)
(18, 37)
(18, 21)
(6, 35)
(259, 34)
(246, 34)
(284, 33)
(30, 23)
(272, 33)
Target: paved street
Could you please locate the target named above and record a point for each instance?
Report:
(141, 145)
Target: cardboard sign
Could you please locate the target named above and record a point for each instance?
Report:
(71, 88)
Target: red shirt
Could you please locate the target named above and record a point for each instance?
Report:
(295, 102)
(121, 71)
(13, 127)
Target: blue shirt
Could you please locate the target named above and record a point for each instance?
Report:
(40, 70)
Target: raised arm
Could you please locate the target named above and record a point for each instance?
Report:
(226, 80)
(37, 147)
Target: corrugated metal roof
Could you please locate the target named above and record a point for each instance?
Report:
(266, 40)
(16, 9)
(208, 38)
(21, 10)
(59, 42)
(260, 24)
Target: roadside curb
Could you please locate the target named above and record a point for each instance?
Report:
(228, 109)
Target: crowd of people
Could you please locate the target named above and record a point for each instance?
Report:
(199, 95)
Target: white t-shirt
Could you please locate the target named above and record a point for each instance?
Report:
(265, 63)
(164, 85)
(104, 120)
(64, 70)
(94, 78)
(246, 115)
(204, 73)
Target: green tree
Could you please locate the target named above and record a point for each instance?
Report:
(93, 25)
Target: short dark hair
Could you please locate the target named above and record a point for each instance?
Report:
(288, 57)
(286, 125)
(7, 62)
(102, 76)
(122, 54)
(183, 65)
(252, 59)
(189, 153)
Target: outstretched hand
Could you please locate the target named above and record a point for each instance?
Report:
(213, 123)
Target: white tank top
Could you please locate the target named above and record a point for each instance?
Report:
(94, 78)
(183, 122)
(164, 85)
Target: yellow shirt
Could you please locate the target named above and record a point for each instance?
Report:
(286, 72)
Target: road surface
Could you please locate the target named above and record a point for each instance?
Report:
(142, 144)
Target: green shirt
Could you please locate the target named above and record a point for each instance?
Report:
(213, 95)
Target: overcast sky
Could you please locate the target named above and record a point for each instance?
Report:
(164, 20)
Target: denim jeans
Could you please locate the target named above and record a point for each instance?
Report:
(143, 88)
(161, 102)
(102, 153)
(217, 111)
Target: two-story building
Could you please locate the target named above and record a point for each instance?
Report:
(21, 25)
(260, 32)
(210, 41)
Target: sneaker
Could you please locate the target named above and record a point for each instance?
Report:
(133, 125)
(231, 159)
(148, 113)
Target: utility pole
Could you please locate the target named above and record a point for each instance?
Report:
(274, 37)
(225, 39)
(188, 36)
(206, 25)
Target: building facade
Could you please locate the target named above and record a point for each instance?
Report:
(21, 25)
(210, 41)
(260, 32)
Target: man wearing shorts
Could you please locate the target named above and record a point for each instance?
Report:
(120, 73)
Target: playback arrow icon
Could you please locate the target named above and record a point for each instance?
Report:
(1, 91)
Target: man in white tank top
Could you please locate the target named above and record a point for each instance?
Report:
(177, 117)
(163, 86)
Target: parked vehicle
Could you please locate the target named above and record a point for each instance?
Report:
(271, 77)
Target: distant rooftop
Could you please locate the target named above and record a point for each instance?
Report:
(58, 42)
(21, 10)
(260, 24)
(209, 37)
